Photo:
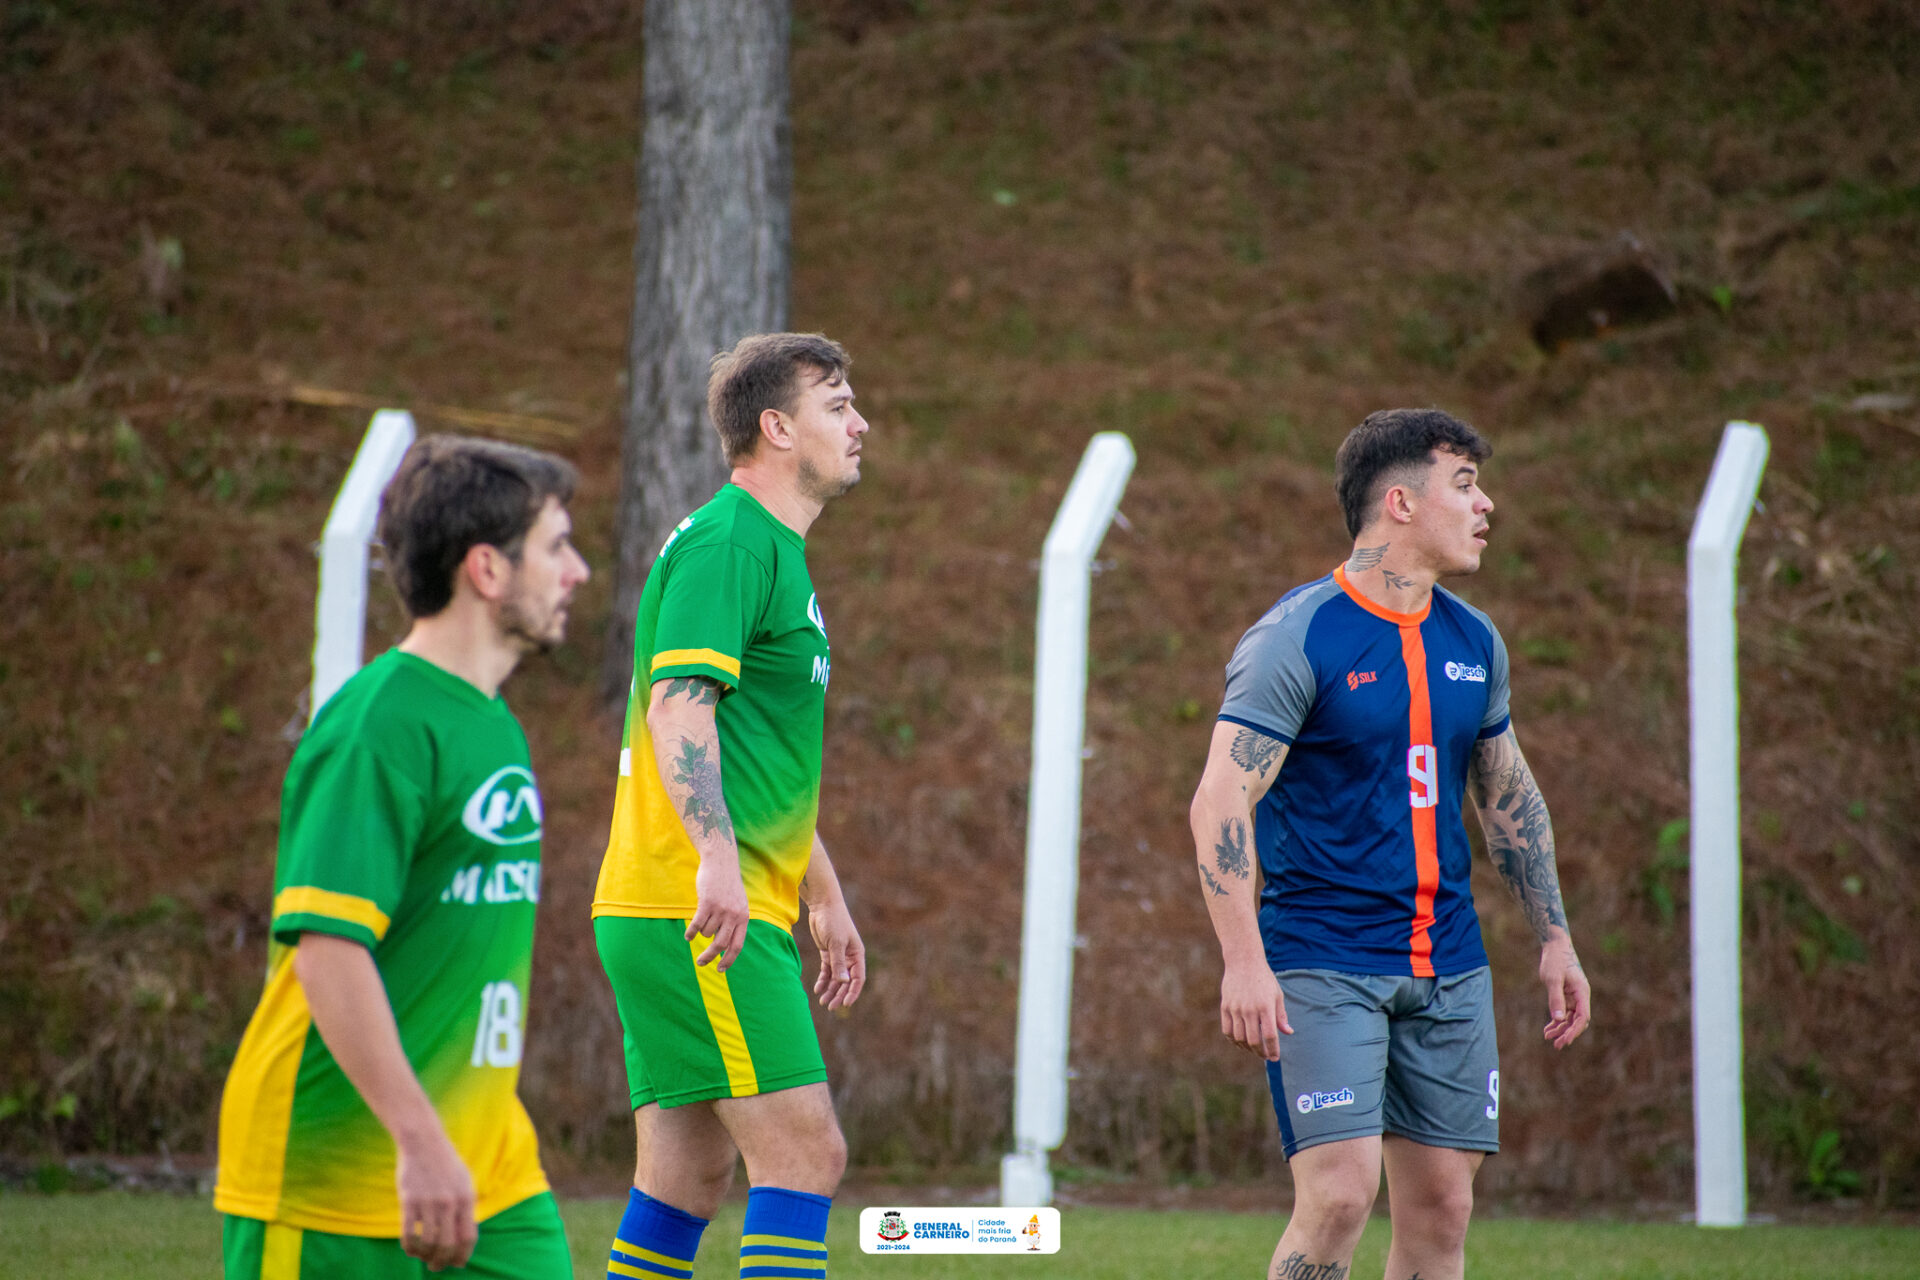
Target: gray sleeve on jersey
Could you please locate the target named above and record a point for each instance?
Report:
(1497, 684)
(1270, 682)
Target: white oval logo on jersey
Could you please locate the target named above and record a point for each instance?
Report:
(505, 809)
(814, 615)
(1459, 671)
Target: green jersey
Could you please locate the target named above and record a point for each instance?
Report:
(410, 823)
(728, 598)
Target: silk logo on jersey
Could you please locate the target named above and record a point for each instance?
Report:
(1357, 678)
(505, 809)
(1460, 671)
(1423, 772)
(1308, 1103)
(814, 615)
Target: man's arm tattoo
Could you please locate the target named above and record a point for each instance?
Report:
(1230, 850)
(1519, 832)
(700, 690)
(1253, 751)
(1365, 558)
(1218, 890)
(1296, 1267)
(704, 804)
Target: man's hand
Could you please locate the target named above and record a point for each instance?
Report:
(843, 957)
(1253, 1013)
(436, 1202)
(1569, 998)
(721, 912)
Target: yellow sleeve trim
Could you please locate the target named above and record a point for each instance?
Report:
(307, 900)
(701, 657)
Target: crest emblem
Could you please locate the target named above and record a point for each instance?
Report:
(893, 1224)
(505, 809)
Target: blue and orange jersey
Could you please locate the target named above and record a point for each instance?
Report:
(1360, 837)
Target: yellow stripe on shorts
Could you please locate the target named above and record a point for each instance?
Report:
(725, 1020)
(280, 1254)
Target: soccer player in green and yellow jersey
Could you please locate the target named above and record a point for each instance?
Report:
(371, 1124)
(713, 842)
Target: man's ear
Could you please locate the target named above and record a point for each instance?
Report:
(486, 570)
(1397, 502)
(776, 429)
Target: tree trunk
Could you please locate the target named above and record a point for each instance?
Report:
(710, 265)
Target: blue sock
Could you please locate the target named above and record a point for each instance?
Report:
(654, 1240)
(785, 1236)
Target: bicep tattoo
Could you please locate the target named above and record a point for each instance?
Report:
(700, 690)
(1519, 832)
(1255, 752)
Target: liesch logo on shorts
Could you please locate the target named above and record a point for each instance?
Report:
(1460, 671)
(505, 809)
(1308, 1103)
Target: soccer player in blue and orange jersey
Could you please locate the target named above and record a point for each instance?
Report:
(1359, 713)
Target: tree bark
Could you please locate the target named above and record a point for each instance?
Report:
(710, 263)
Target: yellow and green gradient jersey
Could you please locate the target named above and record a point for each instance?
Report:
(728, 598)
(410, 822)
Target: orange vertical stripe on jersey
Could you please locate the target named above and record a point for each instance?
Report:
(1426, 843)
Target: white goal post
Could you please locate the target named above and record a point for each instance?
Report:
(340, 610)
(1713, 682)
(1053, 817)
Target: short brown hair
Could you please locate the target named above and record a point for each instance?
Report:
(1395, 441)
(453, 493)
(761, 372)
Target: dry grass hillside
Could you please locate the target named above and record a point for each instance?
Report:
(1225, 227)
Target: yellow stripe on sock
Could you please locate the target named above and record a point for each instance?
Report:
(619, 1268)
(784, 1242)
(280, 1254)
(725, 1020)
(695, 657)
(651, 1255)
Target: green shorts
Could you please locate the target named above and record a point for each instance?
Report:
(693, 1033)
(527, 1240)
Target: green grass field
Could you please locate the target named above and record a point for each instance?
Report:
(163, 1238)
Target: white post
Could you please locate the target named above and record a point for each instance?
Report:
(1713, 552)
(1053, 818)
(340, 612)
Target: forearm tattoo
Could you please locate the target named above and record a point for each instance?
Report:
(1519, 832)
(702, 803)
(1214, 887)
(1230, 850)
(1365, 558)
(702, 691)
(1296, 1267)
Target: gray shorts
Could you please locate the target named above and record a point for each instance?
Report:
(1373, 1054)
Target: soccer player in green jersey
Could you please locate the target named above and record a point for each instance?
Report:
(713, 841)
(371, 1123)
